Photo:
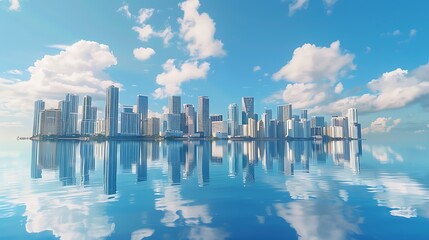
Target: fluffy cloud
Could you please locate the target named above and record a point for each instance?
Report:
(172, 77)
(166, 35)
(145, 32)
(14, 5)
(310, 63)
(313, 72)
(143, 54)
(256, 68)
(297, 5)
(198, 31)
(395, 89)
(144, 14)
(125, 10)
(382, 125)
(77, 69)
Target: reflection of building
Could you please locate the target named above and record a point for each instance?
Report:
(87, 159)
(66, 155)
(129, 154)
(175, 150)
(110, 167)
(36, 171)
(203, 162)
(142, 162)
(190, 152)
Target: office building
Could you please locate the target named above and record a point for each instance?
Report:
(247, 109)
(354, 126)
(89, 115)
(153, 126)
(203, 115)
(130, 122)
(100, 127)
(216, 117)
(317, 124)
(143, 112)
(73, 100)
(39, 106)
(233, 120)
(304, 113)
(339, 127)
(190, 119)
(50, 122)
(269, 112)
(174, 104)
(111, 112)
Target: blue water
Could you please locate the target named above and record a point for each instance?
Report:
(214, 190)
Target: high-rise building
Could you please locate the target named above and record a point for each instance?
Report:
(130, 122)
(190, 119)
(50, 122)
(354, 126)
(39, 106)
(88, 117)
(339, 127)
(247, 109)
(266, 125)
(233, 119)
(269, 112)
(111, 112)
(284, 113)
(74, 114)
(317, 123)
(153, 126)
(143, 111)
(65, 125)
(174, 104)
(304, 113)
(203, 115)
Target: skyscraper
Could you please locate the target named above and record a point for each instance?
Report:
(233, 119)
(130, 122)
(143, 111)
(247, 109)
(50, 122)
(39, 106)
(284, 113)
(73, 100)
(269, 112)
(354, 126)
(111, 112)
(203, 115)
(174, 104)
(190, 117)
(65, 126)
(88, 117)
(304, 113)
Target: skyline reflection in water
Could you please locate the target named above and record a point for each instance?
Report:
(214, 190)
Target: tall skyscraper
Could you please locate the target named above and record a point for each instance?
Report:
(233, 119)
(269, 113)
(354, 126)
(304, 113)
(203, 115)
(153, 126)
(111, 112)
(73, 100)
(65, 126)
(284, 113)
(88, 117)
(190, 119)
(174, 104)
(247, 109)
(39, 106)
(143, 111)
(50, 122)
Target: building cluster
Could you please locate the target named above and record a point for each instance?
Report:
(187, 121)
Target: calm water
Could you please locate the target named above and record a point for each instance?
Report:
(214, 190)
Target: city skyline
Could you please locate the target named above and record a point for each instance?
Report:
(312, 54)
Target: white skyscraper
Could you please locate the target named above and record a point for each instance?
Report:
(39, 106)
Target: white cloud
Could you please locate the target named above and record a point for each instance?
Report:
(172, 77)
(395, 89)
(397, 32)
(198, 31)
(144, 14)
(145, 32)
(256, 68)
(329, 5)
(166, 35)
(413, 32)
(310, 63)
(382, 125)
(14, 5)
(420, 131)
(297, 5)
(313, 72)
(15, 72)
(143, 54)
(339, 88)
(124, 10)
(77, 69)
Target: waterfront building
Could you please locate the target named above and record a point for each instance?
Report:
(100, 127)
(89, 115)
(111, 112)
(130, 122)
(50, 122)
(39, 106)
(233, 120)
(190, 119)
(143, 112)
(304, 114)
(317, 123)
(174, 104)
(203, 115)
(153, 126)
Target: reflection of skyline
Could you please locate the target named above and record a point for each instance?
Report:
(110, 167)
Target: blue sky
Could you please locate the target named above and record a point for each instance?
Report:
(322, 55)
